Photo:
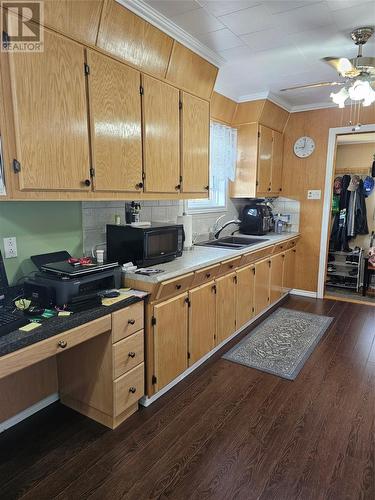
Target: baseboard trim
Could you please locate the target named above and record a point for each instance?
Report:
(304, 293)
(147, 401)
(10, 422)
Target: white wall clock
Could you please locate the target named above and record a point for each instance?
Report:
(304, 147)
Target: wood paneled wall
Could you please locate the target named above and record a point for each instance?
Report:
(299, 175)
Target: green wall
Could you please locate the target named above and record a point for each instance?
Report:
(39, 227)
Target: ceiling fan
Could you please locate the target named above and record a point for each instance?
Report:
(359, 73)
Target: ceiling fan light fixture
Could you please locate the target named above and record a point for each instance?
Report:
(370, 98)
(340, 97)
(359, 90)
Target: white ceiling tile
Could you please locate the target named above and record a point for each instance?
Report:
(236, 53)
(353, 17)
(249, 20)
(197, 21)
(342, 4)
(266, 39)
(172, 8)
(277, 6)
(220, 40)
(304, 18)
(219, 8)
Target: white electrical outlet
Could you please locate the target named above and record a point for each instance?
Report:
(314, 194)
(10, 247)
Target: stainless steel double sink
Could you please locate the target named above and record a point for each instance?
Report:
(232, 242)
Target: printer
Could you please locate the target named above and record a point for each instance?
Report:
(59, 283)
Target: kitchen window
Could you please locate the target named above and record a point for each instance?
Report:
(223, 151)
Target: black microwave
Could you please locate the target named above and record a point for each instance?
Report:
(144, 245)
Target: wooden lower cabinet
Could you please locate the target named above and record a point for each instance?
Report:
(276, 281)
(170, 339)
(202, 321)
(245, 295)
(262, 285)
(226, 306)
(289, 270)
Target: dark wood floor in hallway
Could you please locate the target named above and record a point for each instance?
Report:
(225, 432)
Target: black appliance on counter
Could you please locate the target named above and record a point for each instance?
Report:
(256, 218)
(145, 245)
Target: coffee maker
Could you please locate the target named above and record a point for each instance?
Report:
(256, 218)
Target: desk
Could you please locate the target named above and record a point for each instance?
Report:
(99, 358)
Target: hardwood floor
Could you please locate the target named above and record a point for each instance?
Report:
(225, 432)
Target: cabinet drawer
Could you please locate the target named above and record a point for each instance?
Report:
(127, 354)
(174, 286)
(128, 389)
(205, 275)
(229, 265)
(127, 321)
(250, 257)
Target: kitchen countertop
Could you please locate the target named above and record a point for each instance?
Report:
(58, 324)
(199, 257)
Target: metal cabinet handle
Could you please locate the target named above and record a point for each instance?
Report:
(131, 354)
(87, 182)
(131, 321)
(178, 287)
(178, 187)
(132, 389)
(62, 344)
(208, 275)
(139, 185)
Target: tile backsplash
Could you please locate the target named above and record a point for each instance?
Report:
(95, 216)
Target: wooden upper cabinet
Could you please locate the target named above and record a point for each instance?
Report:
(131, 38)
(277, 162)
(161, 136)
(222, 109)
(50, 113)
(76, 19)
(202, 321)
(244, 184)
(170, 339)
(191, 72)
(115, 112)
(264, 160)
(195, 123)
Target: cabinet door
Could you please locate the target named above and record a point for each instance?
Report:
(170, 339)
(277, 162)
(50, 112)
(161, 136)
(289, 270)
(244, 185)
(202, 321)
(245, 295)
(226, 306)
(262, 285)
(277, 268)
(115, 111)
(195, 123)
(264, 160)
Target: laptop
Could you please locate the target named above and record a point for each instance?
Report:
(10, 318)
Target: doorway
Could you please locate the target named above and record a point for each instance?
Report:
(346, 271)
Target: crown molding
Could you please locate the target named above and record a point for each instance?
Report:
(149, 14)
(253, 97)
(311, 107)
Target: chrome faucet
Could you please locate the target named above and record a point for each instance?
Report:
(234, 221)
(215, 227)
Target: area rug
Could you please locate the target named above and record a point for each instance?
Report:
(282, 343)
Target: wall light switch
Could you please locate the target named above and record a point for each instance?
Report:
(10, 247)
(314, 194)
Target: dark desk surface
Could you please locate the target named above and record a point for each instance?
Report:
(58, 324)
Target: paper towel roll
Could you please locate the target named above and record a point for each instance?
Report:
(187, 221)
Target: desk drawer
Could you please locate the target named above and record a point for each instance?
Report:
(128, 389)
(127, 321)
(57, 344)
(250, 257)
(174, 286)
(229, 265)
(128, 353)
(205, 275)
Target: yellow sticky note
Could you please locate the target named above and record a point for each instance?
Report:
(64, 313)
(124, 289)
(29, 327)
(111, 301)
